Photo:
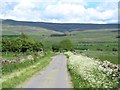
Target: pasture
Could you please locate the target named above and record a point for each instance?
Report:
(99, 43)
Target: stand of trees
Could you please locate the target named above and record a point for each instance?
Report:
(64, 45)
(20, 44)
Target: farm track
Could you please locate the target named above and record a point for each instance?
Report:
(54, 76)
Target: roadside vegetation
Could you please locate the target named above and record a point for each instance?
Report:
(16, 74)
(21, 44)
(90, 73)
(21, 58)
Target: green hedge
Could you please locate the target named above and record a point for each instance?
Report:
(20, 45)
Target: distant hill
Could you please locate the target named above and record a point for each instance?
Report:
(10, 28)
(61, 27)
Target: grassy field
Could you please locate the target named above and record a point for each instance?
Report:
(11, 55)
(102, 55)
(16, 30)
(99, 50)
(101, 44)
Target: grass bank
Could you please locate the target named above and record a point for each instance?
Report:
(20, 75)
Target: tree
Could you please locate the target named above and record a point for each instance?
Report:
(6, 44)
(66, 45)
(20, 45)
(55, 47)
(37, 46)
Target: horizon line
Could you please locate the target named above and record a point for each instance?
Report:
(55, 22)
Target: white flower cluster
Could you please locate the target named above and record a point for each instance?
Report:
(30, 57)
(110, 69)
(41, 53)
(18, 59)
(6, 61)
(91, 71)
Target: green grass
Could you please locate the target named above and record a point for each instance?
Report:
(99, 50)
(77, 80)
(104, 39)
(103, 46)
(76, 37)
(12, 55)
(91, 39)
(25, 75)
(16, 30)
(102, 55)
(9, 68)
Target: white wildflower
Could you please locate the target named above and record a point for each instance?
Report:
(30, 57)
(91, 70)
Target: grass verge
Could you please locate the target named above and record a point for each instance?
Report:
(88, 74)
(17, 79)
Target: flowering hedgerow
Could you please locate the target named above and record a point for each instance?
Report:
(96, 74)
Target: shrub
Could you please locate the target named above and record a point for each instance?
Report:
(66, 45)
(83, 48)
(55, 48)
(20, 45)
(114, 49)
(99, 49)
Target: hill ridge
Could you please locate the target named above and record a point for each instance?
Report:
(61, 27)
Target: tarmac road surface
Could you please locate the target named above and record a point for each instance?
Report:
(54, 76)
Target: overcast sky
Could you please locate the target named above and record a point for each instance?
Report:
(61, 11)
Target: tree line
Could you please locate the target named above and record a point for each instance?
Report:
(21, 44)
(25, 44)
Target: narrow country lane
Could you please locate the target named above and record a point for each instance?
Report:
(54, 76)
